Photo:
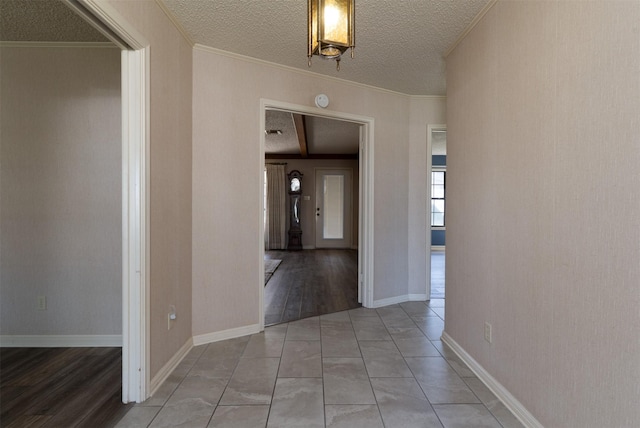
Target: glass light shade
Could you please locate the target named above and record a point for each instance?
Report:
(331, 28)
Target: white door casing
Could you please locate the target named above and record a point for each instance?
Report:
(135, 191)
(365, 199)
(430, 129)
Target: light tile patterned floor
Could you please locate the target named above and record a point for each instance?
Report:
(368, 368)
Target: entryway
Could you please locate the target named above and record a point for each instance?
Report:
(341, 278)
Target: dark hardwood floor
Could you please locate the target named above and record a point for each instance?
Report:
(61, 387)
(309, 283)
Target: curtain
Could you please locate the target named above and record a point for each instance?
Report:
(276, 215)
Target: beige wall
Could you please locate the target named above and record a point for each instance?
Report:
(424, 111)
(226, 149)
(170, 166)
(543, 236)
(308, 208)
(60, 194)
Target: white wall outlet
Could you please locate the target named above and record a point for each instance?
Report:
(487, 332)
(42, 303)
(171, 316)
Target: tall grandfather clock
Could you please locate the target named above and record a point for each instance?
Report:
(295, 196)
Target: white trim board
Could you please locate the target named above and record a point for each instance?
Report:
(430, 129)
(61, 341)
(511, 402)
(169, 367)
(135, 67)
(399, 299)
(365, 200)
(203, 339)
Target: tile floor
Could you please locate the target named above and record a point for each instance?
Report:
(382, 367)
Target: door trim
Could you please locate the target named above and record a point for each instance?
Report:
(135, 68)
(365, 198)
(430, 129)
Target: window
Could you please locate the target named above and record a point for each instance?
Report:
(437, 198)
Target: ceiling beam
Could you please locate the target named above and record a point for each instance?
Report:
(298, 122)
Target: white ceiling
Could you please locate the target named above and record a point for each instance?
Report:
(400, 44)
(43, 21)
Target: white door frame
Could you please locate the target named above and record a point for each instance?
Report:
(135, 191)
(430, 129)
(365, 220)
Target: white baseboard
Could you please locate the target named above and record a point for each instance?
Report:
(61, 341)
(399, 299)
(520, 412)
(308, 247)
(390, 301)
(203, 339)
(168, 368)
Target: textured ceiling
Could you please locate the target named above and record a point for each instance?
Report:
(43, 21)
(285, 143)
(324, 136)
(399, 44)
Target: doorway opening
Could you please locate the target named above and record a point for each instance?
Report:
(436, 185)
(351, 255)
(135, 59)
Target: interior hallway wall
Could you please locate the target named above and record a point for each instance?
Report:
(424, 111)
(543, 237)
(60, 191)
(170, 176)
(226, 192)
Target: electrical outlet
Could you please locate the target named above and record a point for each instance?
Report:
(42, 303)
(487, 332)
(171, 316)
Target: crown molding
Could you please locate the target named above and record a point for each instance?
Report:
(58, 45)
(473, 23)
(245, 58)
(175, 22)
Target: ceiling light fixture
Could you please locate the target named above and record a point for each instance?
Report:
(331, 28)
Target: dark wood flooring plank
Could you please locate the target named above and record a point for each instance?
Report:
(80, 411)
(61, 387)
(31, 421)
(311, 282)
